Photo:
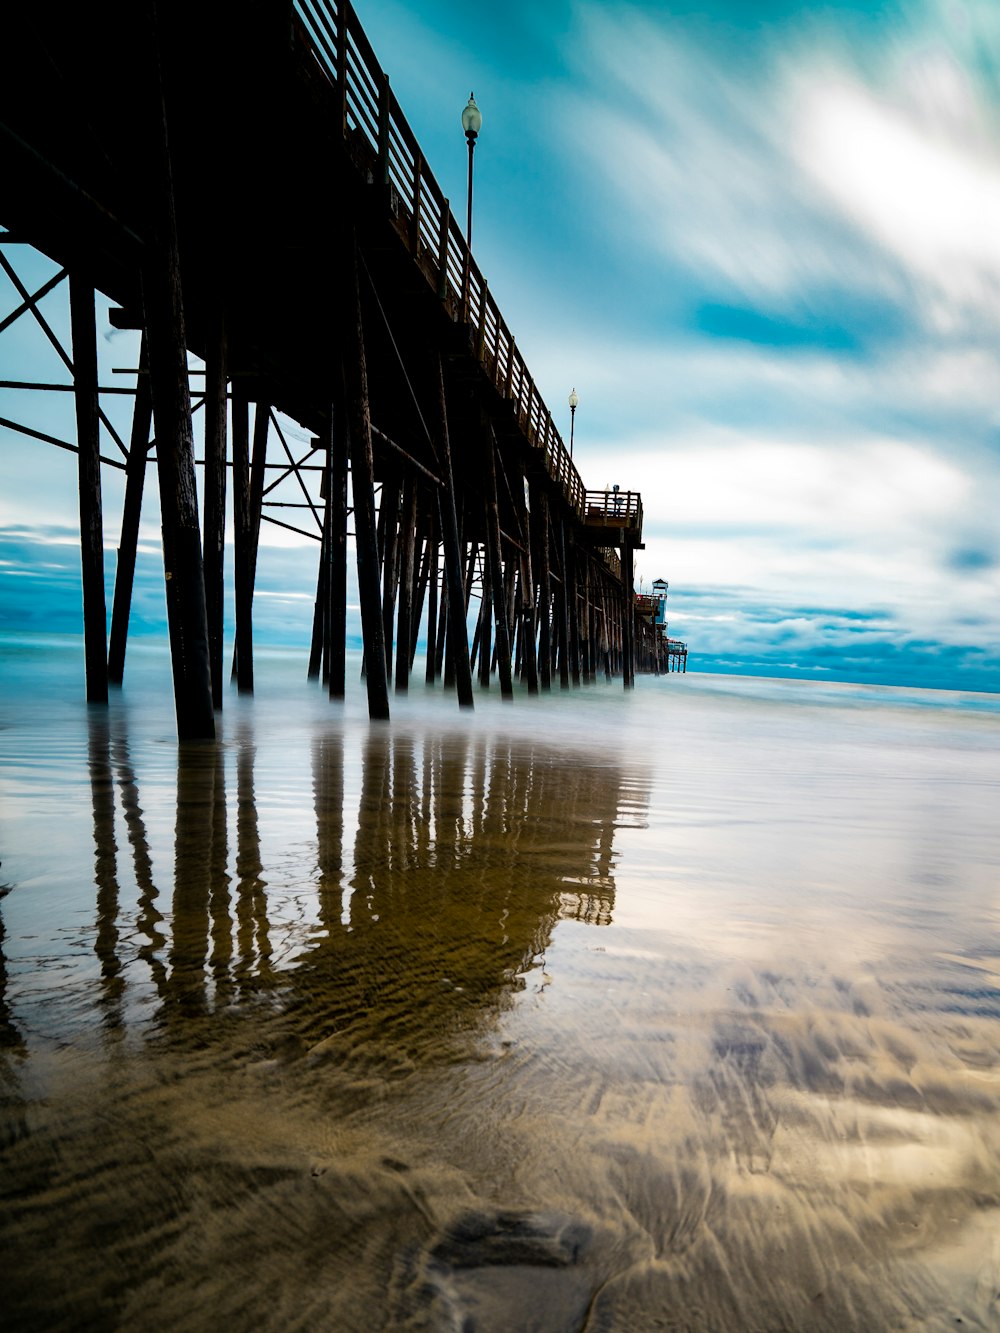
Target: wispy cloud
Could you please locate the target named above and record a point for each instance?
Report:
(763, 244)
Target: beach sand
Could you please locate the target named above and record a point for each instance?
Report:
(671, 1011)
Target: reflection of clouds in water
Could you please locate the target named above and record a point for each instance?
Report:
(805, 1155)
(380, 1061)
(474, 844)
(252, 1119)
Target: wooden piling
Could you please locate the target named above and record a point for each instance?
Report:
(545, 598)
(562, 624)
(258, 466)
(242, 542)
(495, 561)
(404, 621)
(363, 482)
(88, 427)
(319, 656)
(528, 655)
(430, 674)
(422, 574)
(337, 508)
(458, 633)
(216, 412)
(135, 480)
(163, 307)
(574, 616)
(484, 631)
(389, 527)
(628, 618)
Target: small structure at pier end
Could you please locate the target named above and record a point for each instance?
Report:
(252, 194)
(655, 651)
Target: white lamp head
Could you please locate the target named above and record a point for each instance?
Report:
(472, 118)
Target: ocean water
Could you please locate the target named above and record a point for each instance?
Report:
(670, 1010)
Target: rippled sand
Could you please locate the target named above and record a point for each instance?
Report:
(678, 1011)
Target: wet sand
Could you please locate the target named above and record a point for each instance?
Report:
(678, 1011)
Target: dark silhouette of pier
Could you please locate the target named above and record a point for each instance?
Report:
(241, 182)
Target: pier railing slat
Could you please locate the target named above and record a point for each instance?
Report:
(431, 232)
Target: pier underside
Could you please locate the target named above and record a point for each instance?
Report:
(245, 188)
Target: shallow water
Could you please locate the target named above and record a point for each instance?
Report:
(673, 1010)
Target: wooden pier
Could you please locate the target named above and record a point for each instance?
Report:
(245, 188)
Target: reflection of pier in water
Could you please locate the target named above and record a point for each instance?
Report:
(442, 865)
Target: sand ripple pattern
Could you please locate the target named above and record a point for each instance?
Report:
(443, 1029)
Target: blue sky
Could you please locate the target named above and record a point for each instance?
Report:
(762, 240)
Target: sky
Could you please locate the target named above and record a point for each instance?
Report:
(762, 242)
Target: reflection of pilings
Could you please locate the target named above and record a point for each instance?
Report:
(252, 927)
(328, 796)
(149, 917)
(219, 900)
(466, 853)
(192, 869)
(10, 1037)
(450, 784)
(105, 859)
(370, 839)
(405, 807)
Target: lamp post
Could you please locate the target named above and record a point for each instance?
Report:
(472, 121)
(574, 399)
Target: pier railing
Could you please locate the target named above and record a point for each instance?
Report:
(380, 140)
(612, 508)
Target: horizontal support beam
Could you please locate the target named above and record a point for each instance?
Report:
(51, 439)
(313, 536)
(60, 388)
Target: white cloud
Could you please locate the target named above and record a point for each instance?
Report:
(933, 202)
(806, 166)
(866, 524)
(820, 490)
(700, 157)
